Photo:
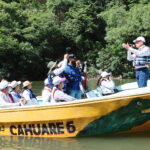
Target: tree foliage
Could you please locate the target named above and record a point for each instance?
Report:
(33, 33)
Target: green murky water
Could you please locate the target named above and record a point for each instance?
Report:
(126, 142)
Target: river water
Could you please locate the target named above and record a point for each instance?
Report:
(138, 141)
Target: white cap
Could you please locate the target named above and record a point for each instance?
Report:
(46, 81)
(14, 83)
(140, 38)
(104, 74)
(57, 80)
(3, 85)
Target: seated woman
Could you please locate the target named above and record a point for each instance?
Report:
(57, 93)
(28, 93)
(6, 99)
(106, 83)
(16, 91)
(46, 92)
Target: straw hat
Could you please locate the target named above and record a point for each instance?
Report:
(26, 83)
(51, 64)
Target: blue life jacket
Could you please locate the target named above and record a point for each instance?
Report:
(18, 95)
(50, 81)
(31, 94)
(73, 77)
(141, 60)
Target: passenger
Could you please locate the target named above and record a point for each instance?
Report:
(28, 93)
(57, 93)
(56, 69)
(15, 90)
(6, 99)
(106, 83)
(82, 83)
(79, 65)
(73, 77)
(46, 92)
(140, 60)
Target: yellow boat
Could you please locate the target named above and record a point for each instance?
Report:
(123, 112)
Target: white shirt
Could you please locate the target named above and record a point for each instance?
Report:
(15, 97)
(26, 95)
(30, 101)
(142, 51)
(46, 95)
(60, 95)
(107, 86)
(63, 65)
(5, 101)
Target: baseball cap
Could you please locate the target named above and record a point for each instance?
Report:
(57, 80)
(3, 85)
(104, 74)
(14, 83)
(71, 56)
(140, 38)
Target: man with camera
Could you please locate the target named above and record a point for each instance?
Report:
(140, 60)
(73, 77)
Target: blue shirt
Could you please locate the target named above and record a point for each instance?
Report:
(73, 76)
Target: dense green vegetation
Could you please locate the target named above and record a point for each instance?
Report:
(33, 33)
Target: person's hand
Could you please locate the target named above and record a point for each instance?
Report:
(126, 46)
(110, 78)
(23, 101)
(66, 56)
(85, 70)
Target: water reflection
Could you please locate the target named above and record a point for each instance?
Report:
(133, 141)
(14, 143)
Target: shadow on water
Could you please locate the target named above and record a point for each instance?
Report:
(136, 141)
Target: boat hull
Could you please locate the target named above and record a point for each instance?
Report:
(83, 118)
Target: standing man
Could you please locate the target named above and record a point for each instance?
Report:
(73, 77)
(140, 60)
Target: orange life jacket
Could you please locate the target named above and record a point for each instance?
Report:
(103, 79)
(11, 98)
(54, 90)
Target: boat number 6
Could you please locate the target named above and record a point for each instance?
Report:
(70, 127)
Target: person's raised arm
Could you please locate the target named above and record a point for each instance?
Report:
(63, 65)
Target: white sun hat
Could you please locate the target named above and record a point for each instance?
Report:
(3, 85)
(140, 38)
(58, 80)
(104, 74)
(14, 83)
